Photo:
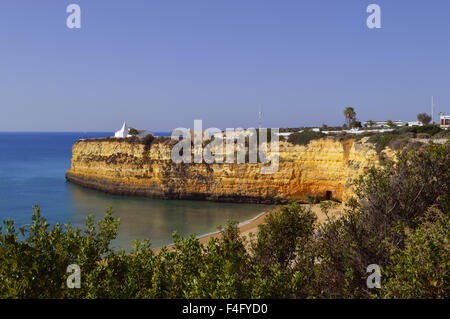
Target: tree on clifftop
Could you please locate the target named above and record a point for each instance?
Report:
(424, 118)
(133, 132)
(350, 115)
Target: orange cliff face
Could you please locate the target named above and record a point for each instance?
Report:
(119, 167)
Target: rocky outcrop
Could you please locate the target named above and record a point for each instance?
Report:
(322, 168)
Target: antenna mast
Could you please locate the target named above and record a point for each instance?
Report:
(432, 109)
(259, 117)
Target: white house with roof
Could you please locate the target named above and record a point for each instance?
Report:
(415, 123)
(124, 132)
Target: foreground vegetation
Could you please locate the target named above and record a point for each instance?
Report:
(398, 219)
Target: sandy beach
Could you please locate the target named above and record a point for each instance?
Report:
(251, 226)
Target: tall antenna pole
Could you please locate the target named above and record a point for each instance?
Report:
(432, 109)
(259, 117)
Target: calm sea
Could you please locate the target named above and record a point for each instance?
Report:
(32, 168)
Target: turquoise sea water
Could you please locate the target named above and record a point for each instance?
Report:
(32, 169)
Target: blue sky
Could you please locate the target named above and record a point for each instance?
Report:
(160, 64)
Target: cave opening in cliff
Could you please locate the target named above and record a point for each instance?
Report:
(329, 195)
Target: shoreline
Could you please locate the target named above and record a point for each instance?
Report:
(251, 225)
(245, 227)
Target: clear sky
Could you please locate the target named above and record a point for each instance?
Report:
(160, 64)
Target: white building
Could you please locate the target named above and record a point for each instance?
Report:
(384, 123)
(123, 132)
(416, 123)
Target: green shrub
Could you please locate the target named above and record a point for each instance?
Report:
(390, 203)
(431, 129)
(36, 267)
(133, 132)
(422, 269)
(148, 140)
(423, 135)
(444, 134)
(398, 219)
(283, 253)
(399, 143)
(382, 140)
(304, 137)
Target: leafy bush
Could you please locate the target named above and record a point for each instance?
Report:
(423, 135)
(148, 140)
(398, 139)
(445, 134)
(382, 140)
(284, 249)
(424, 118)
(36, 267)
(422, 269)
(133, 132)
(399, 143)
(304, 137)
(331, 128)
(390, 203)
(431, 129)
(398, 219)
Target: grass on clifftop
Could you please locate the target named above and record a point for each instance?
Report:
(396, 139)
(148, 140)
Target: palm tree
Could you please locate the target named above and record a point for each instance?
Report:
(350, 115)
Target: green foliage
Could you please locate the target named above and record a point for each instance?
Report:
(330, 128)
(36, 267)
(355, 124)
(444, 134)
(390, 124)
(390, 204)
(148, 140)
(424, 118)
(398, 139)
(284, 249)
(350, 115)
(398, 219)
(304, 137)
(423, 135)
(133, 132)
(422, 269)
(370, 124)
(382, 140)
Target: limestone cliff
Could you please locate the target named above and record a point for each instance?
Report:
(124, 168)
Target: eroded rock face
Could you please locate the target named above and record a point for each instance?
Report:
(123, 168)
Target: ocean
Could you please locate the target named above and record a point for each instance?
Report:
(32, 172)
